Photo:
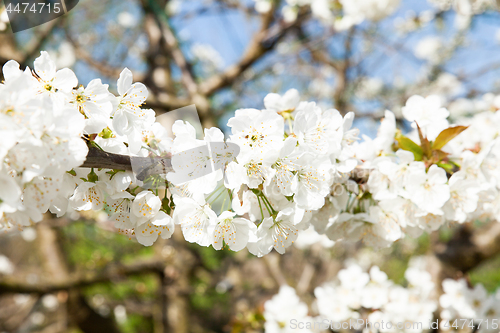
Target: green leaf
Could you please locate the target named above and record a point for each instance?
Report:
(407, 144)
(447, 166)
(446, 135)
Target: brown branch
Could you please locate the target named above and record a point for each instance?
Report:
(187, 77)
(36, 42)
(262, 42)
(104, 68)
(342, 84)
(165, 102)
(172, 44)
(175, 287)
(272, 261)
(10, 51)
(174, 50)
(75, 281)
(97, 158)
(87, 319)
(317, 51)
(158, 77)
(470, 247)
(142, 166)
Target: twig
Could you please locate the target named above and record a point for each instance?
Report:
(261, 43)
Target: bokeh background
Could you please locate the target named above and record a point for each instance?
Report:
(222, 55)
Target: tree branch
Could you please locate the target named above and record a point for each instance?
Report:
(9, 49)
(466, 250)
(261, 43)
(142, 166)
(173, 47)
(14, 285)
(470, 247)
(97, 158)
(104, 68)
(164, 102)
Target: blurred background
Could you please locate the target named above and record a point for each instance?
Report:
(79, 275)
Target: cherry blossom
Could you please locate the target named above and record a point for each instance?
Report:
(291, 168)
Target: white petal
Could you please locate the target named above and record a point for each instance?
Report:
(165, 225)
(45, 67)
(65, 80)
(125, 81)
(11, 69)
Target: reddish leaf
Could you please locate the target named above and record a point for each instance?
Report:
(424, 143)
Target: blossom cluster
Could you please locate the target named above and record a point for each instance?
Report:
(366, 300)
(437, 176)
(41, 130)
(276, 180)
(298, 166)
(47, 125)
(460, 301)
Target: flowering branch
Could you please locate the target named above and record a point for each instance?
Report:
(297, 166)
(144, 166)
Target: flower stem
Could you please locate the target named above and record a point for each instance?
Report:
(261, 211)
(211, 194)
(270, 207)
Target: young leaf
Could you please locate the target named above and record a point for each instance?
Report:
(439, 155)
(447, 166)
(424, 143)
(446, 135)
(407, 144)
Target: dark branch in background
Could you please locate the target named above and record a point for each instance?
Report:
(87, 319)
(174, 50)
(218, 6)
(112, 273)
(187, 77)
(262, 42)
(339, 96)
(165, 102)
(104, 68)
(470, 247)
(9, 48)
(33, 47)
